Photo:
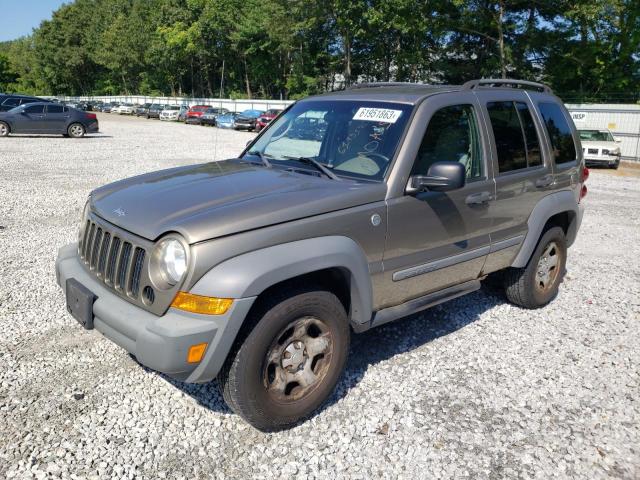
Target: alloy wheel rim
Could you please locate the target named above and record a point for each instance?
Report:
(298, 360)
(3, 129)
(548, 267)
(76, 130)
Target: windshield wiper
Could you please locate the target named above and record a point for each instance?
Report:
(315, 163)
(262, 157)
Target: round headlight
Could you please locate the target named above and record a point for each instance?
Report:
(172, 260)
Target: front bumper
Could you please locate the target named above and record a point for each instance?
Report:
(159, 343)
(244, 125)
(601, 160)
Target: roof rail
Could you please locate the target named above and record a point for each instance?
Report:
(386, 84)
(496, 82)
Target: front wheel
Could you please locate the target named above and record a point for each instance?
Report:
(290, 361)
(537, 284)
(615, 165)
(76, 130)
(4, 129)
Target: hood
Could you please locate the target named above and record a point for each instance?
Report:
(608, 145)
(211, 200)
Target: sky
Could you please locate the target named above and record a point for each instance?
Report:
(19, 17)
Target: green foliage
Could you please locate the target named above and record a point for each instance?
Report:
(586, 49)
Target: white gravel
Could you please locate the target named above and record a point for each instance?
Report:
(474, 388)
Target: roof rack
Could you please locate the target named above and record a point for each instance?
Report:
(497, 82)
(387, 84)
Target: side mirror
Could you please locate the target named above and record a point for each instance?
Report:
(441, 177)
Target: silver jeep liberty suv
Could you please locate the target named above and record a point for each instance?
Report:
(350, 210)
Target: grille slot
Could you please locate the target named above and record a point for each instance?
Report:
(593, 151)
(123, 266)
(134, 280)
(102, 259)
(97, 241)
(117, 262)
(113, 257)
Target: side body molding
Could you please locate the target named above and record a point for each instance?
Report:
(249, 274)
(552, 204)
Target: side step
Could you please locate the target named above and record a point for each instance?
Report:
(421, 303)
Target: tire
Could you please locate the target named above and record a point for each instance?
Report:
(537, 284)
(614, 165)
(5, 129)
(301, 335)
(76, 130)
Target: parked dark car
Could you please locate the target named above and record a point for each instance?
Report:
(209, 117)
(107, 107)
(141, 110)
(265, 119)
(154, 110)
(7, 101)
(247, 120)
(47, 117)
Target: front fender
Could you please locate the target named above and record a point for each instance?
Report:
(250, 274)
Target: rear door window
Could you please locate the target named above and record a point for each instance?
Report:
(507, 131)
(534, 156)
(564, 149)
(515, 134)
(34, 109)
(55, 109)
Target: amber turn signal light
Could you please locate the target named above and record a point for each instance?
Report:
(201, 304)
(196, 352)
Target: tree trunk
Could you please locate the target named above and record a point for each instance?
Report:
(347, 60)
(503, 62)
(246, 78)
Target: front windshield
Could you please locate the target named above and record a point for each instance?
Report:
(596, 136)
(355, 139)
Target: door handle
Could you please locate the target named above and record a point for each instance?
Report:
(479, 198)
(544, 181)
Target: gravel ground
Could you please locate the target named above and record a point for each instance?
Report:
(474, 388)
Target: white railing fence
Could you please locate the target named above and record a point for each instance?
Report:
(229, 104)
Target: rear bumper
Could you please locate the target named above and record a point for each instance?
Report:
(93, 127)
(159, 343)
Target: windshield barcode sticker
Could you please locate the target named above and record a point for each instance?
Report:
(377, 115)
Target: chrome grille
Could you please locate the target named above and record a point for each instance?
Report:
(117, 262)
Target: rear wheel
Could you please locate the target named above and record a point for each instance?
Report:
(285, 367)
(4, 129)
(76, 130)
(537, 284)
(615, 165)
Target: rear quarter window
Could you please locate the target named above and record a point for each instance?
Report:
(564, 148)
